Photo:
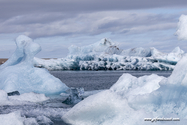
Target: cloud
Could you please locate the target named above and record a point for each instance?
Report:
(32, 6)
(68, 17)
(93, 23)
(87, 21)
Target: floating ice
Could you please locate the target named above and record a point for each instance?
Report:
(130, 100)
(111, 107)
(21, 99)
(106, 55)
(31, 97)
(179, 75)
(75, 96)
(19, 74)
(44, 120)
(182, 27)
(15, 118)
(3, 95)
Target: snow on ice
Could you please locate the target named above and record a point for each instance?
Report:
(19, 74)
(106, 55)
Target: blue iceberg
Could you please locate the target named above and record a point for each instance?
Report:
(19, 73)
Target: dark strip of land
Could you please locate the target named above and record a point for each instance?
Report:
(3, 61)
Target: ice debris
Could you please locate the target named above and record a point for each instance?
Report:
(15, 118)
(75, 96)
(21, 99)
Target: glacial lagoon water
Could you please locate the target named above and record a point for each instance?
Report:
(89, 80)
(97, 80)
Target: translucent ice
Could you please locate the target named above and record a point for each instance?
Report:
(18, 55)
(19, 74)
(182, 27)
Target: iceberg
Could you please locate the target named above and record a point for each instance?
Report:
(19, 73)
(132, 101)
(106, 55)
(110, 107)
(182, 28)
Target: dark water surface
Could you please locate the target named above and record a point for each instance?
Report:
(96, 80)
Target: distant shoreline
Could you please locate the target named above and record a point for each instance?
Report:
(3, 60)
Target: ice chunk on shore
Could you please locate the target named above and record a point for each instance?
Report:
(19, 74)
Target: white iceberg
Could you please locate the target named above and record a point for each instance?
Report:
(106, 55)
(182, 27)
(19, 74)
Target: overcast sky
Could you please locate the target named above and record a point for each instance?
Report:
(57, 24)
